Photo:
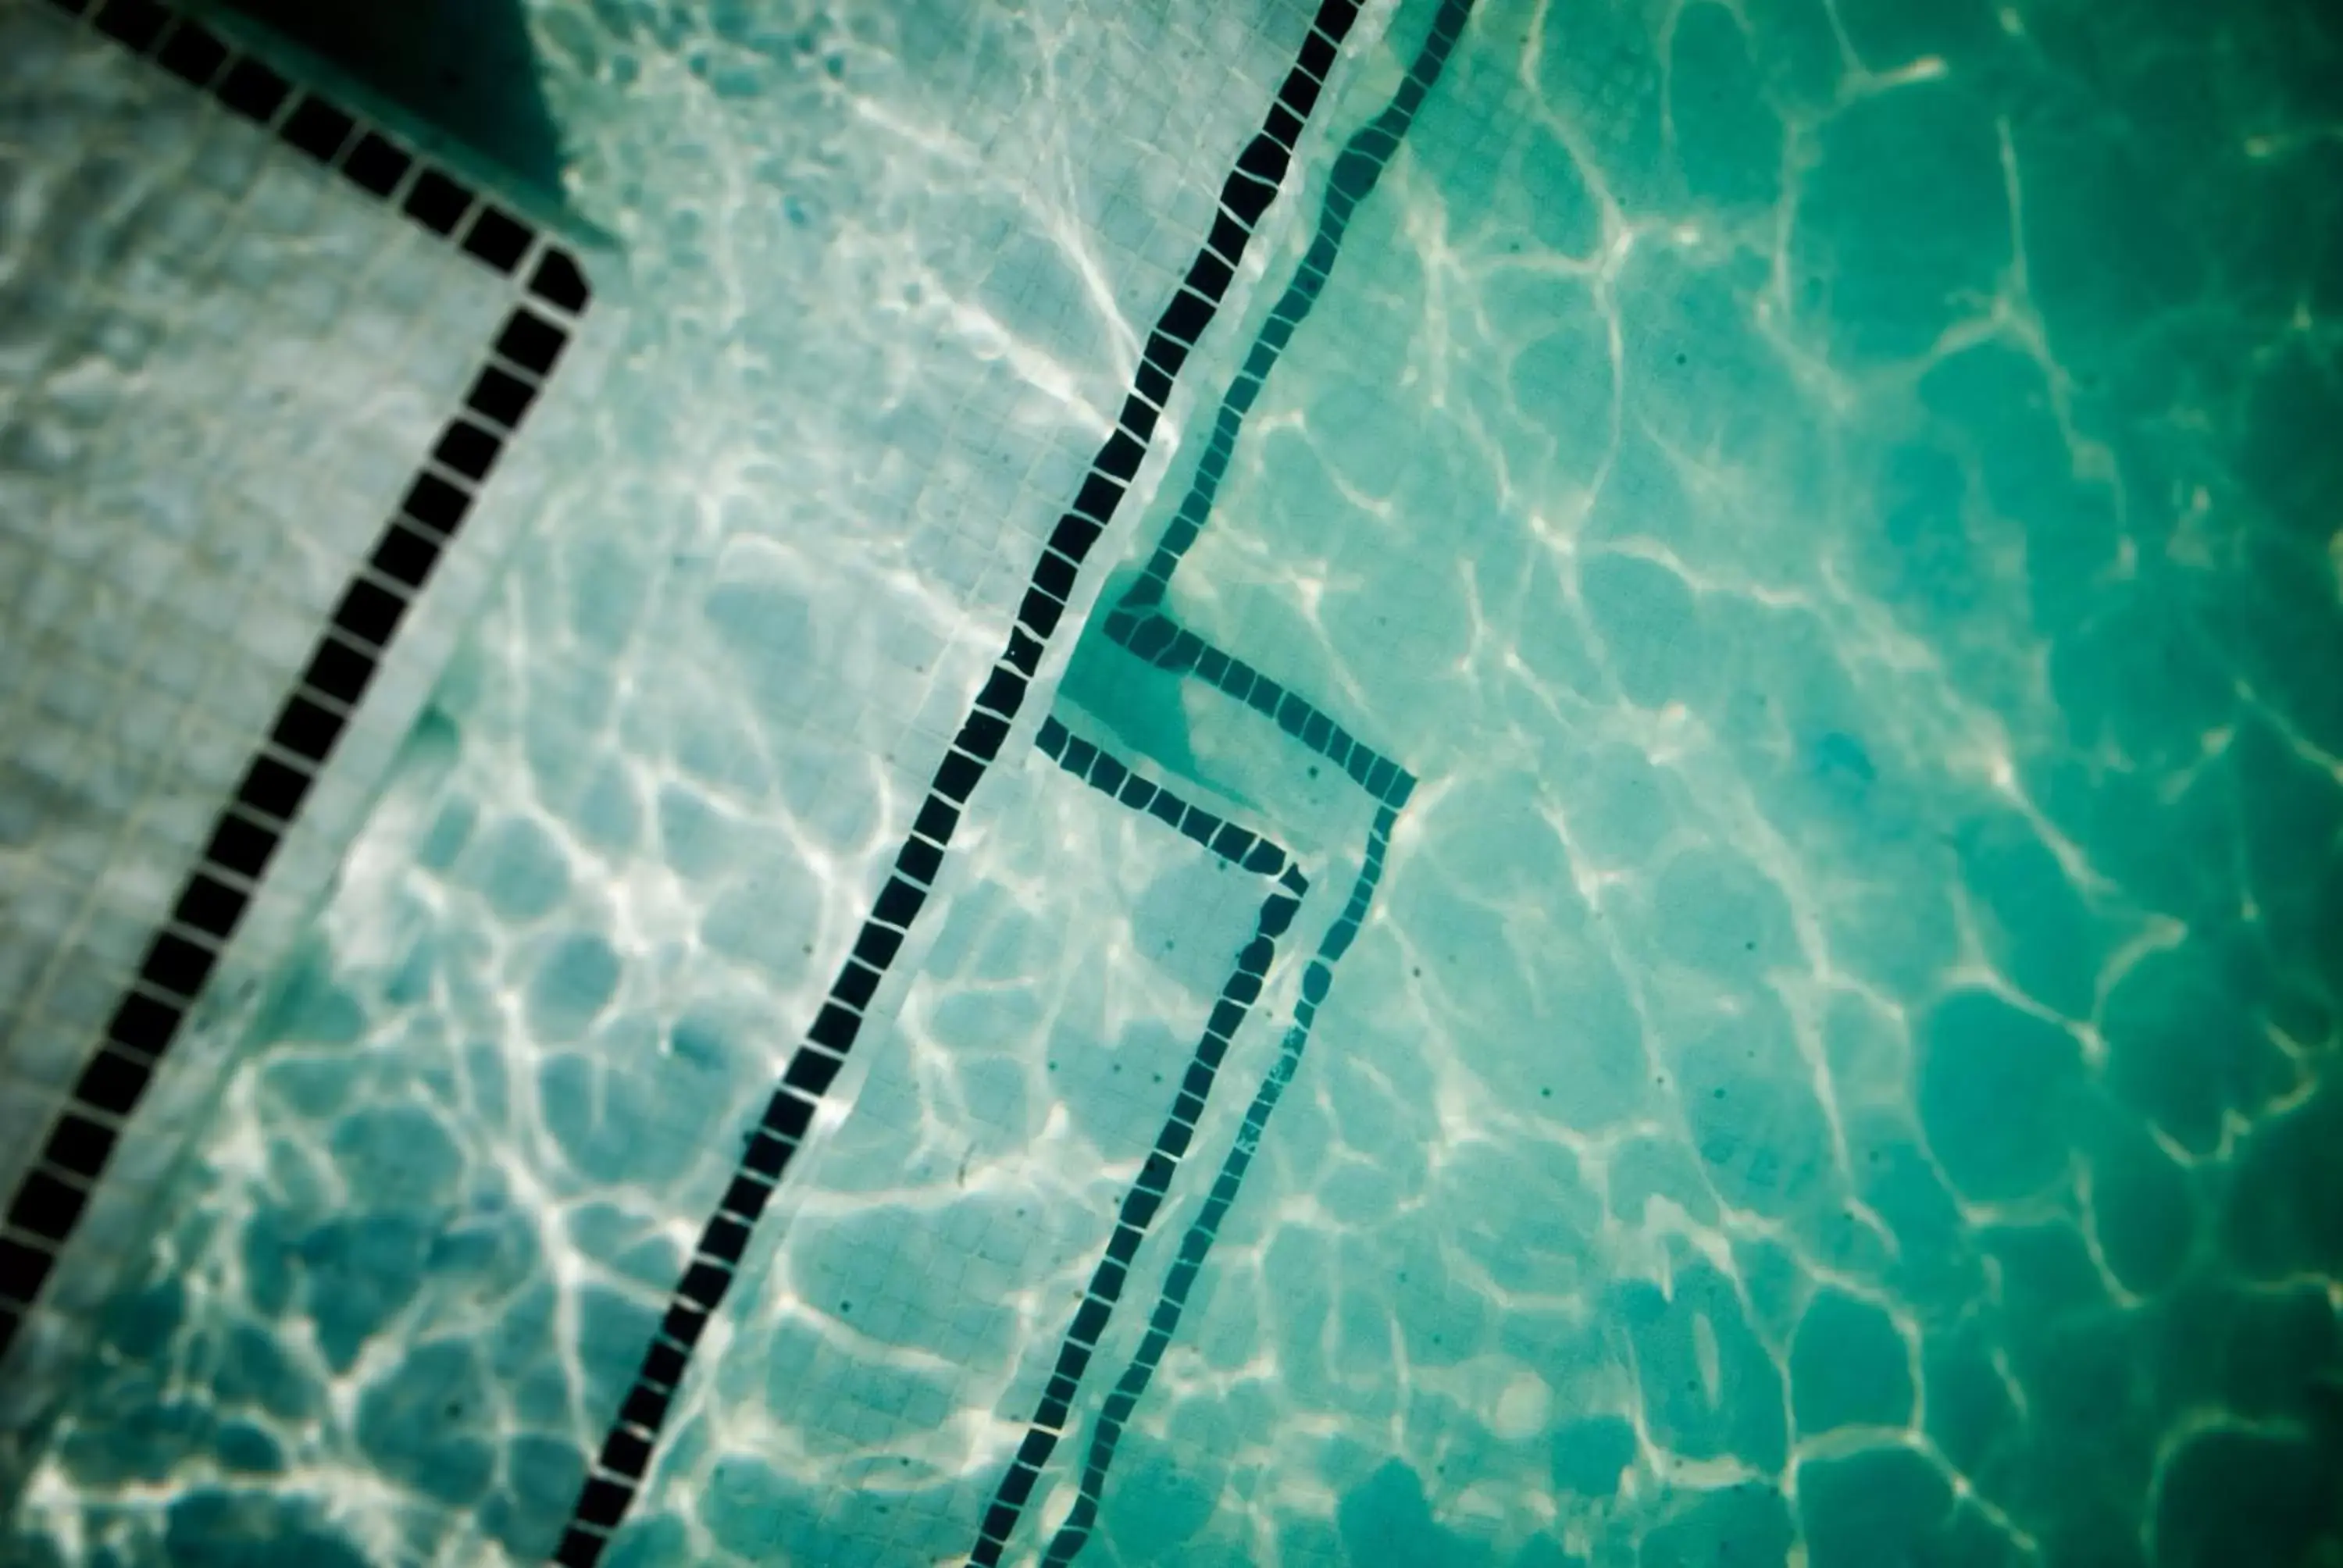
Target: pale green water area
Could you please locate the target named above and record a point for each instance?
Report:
(1839, 506)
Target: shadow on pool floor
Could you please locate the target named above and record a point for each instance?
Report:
(465, 67)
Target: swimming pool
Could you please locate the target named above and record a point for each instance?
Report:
(1667, 893)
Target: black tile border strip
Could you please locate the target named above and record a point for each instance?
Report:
(370, 158)
(54, 1194)
(617, 1474)
(1137, 1213)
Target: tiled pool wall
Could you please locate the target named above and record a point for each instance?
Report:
(829, 569)
(1678, 905)
(263, 361)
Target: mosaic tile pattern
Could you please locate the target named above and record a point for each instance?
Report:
(1837, 1062)
(613, 1145)
(196, 480)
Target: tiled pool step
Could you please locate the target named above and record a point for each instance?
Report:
(95, 1119)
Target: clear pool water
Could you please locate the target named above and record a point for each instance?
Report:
(1834, 504)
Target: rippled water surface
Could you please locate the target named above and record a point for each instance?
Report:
(1836, 506)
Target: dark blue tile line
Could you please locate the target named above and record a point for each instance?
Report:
(54, 1195)
(1146, 1195)
(1107, 1430)
(1171, 647)
(1137, 623)
(617, 1474)
(1354, 175)
(1110, 775)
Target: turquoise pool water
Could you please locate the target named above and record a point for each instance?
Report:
(1832, 1060)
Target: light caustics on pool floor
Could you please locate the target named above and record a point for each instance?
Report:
(1828, 505)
